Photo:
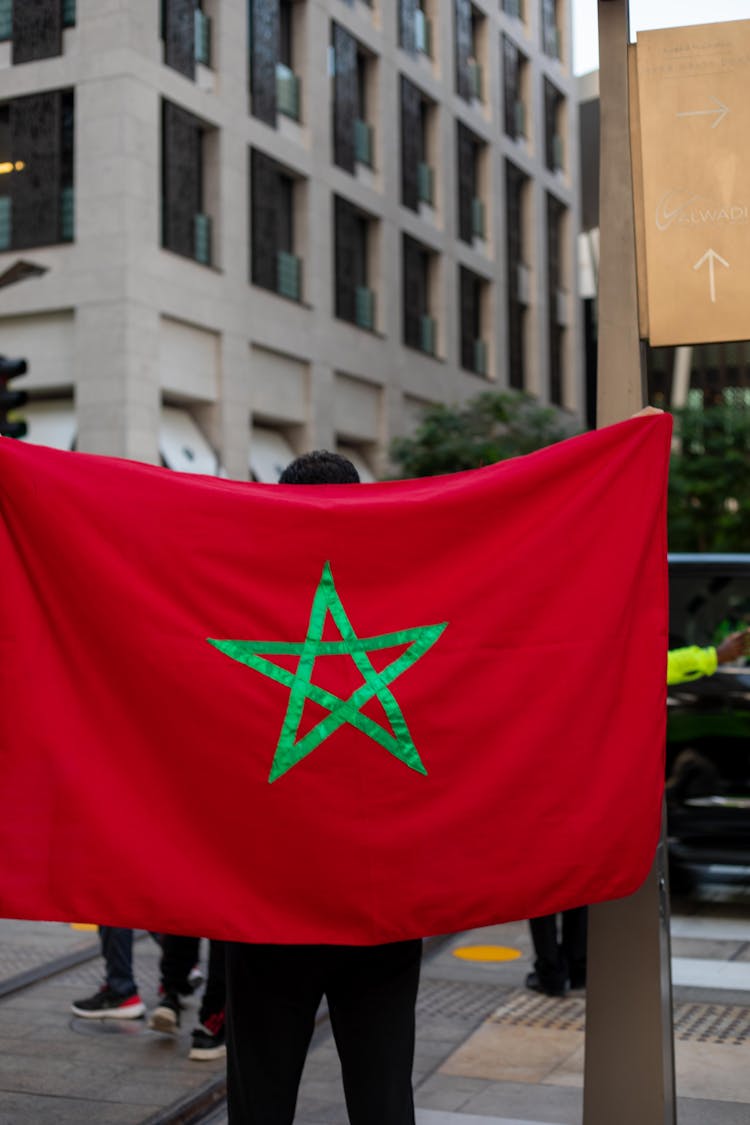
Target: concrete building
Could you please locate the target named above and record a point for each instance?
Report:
(272, 225)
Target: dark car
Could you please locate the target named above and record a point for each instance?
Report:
(708, 725)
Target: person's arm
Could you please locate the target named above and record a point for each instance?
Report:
(684, 664)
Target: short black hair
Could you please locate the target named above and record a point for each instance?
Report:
(320, 467)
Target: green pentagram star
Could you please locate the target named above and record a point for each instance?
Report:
(291, 749)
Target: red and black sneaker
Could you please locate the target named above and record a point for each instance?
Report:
(111, 1005)
(208, 1040)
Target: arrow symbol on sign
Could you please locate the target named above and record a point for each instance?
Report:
(711, 256)
(722, 111)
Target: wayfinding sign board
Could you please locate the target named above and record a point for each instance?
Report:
(694, 98)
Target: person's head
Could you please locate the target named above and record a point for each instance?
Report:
(320, 467)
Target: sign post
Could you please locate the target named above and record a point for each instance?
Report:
(694, 89)
(629, 1067)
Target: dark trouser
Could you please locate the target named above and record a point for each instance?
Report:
(273, 994)
(117, 951)
(178, 956)
(560, 961)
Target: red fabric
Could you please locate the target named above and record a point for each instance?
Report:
(134, 757)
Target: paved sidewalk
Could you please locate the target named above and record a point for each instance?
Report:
(491, 1053)
(488, 1051)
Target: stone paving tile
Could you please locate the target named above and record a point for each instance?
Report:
(710, 950)
(49, 1111)
(718, 1071)
(513, 1054)
(691, 1111)
(538, 1103)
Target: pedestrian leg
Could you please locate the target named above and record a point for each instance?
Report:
(549, 976)
(273, 994)
(574, 934)
(372, 1000)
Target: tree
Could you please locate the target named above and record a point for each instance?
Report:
(491, 427)
(709, 486)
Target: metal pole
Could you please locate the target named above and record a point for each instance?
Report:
(629, 1068)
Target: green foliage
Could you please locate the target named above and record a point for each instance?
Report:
(491, 427)
(709, 486)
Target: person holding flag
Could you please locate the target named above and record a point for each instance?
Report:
(274, 991)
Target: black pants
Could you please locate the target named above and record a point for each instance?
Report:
(560, 960)
(178, 956)
(273, 993)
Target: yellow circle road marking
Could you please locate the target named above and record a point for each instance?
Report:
(487, 953)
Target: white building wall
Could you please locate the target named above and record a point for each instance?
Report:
(120, 325)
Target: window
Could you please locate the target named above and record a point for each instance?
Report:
(550, 29)
(186, 228)
(287, 82)
(469, 24)
(514, 104)
(274, 85)
(518, 273)
(514, 8)
(353, 71)
(415, 26)
(35, 27)
(473, 345)
(354, 296)
(471, 210)
(186, 31)
(556, 317)
(554, 107)
(420, 328)
(275, 263)
(36, 170)
(417, 172)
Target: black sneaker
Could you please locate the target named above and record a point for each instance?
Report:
(166, 1016)
(107, 1004)
(536, 985)
(208, 1041)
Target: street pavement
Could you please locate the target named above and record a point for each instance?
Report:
(488, 1051)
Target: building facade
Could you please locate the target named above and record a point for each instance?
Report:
(262, 226)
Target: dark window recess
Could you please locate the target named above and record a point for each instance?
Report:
(265, 220)
(464, 49)
(344, 98)
(264, 55)
(286, 33)
(407, 12)
(515, 186)
(37, 30)
(416, 266)
(412, 142)
(361, 107)
(467, 151)
(589, 125)
(550, 34)
(555, 214)
(182, 179)
(552, 102)
(350, 260)
(178, 23)
(512, 62)
(37, 139)
(470, 287)
(274, 264)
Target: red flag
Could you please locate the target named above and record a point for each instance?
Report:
(331, 713)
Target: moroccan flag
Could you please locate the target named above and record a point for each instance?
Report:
(331, 713)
